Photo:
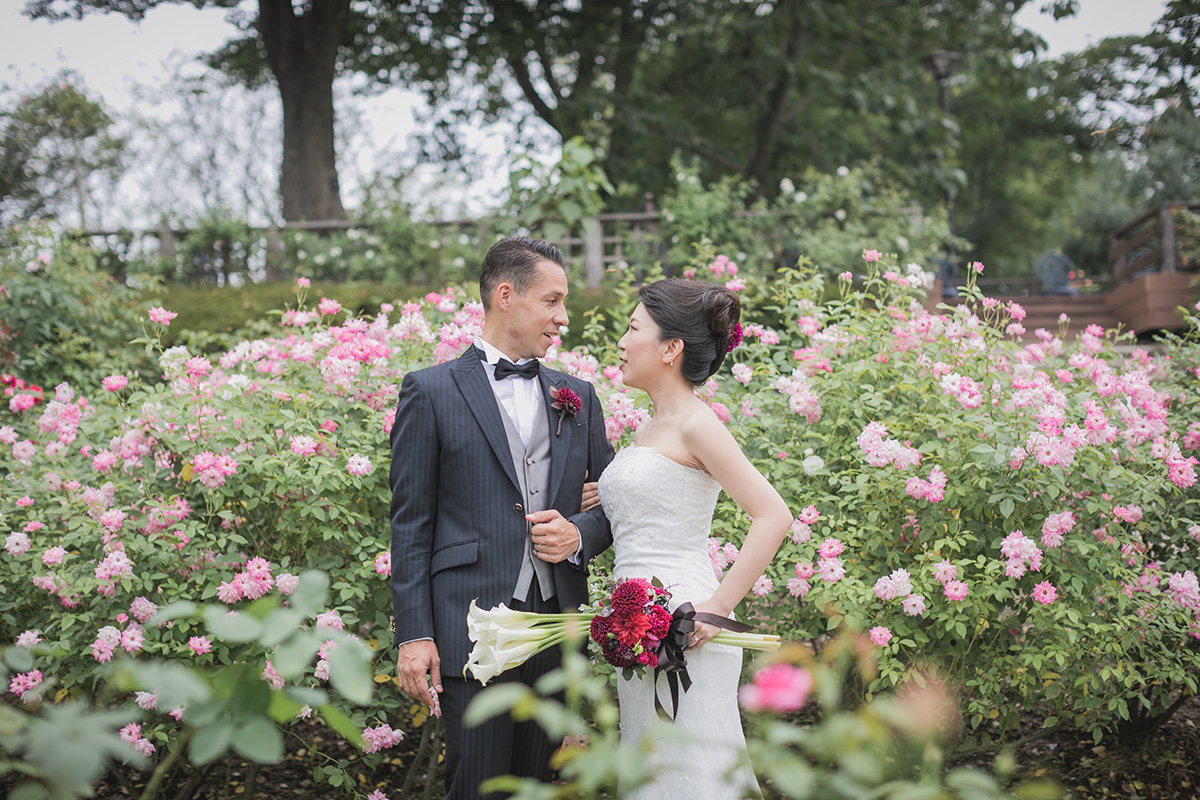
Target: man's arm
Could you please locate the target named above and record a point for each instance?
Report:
(414, 483)
(594, 532)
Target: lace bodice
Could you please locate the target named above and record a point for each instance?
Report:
(661, 514)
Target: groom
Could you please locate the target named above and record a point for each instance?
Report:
(486, 491)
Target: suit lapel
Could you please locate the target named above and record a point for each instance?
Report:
(559, 442)
(472, 380)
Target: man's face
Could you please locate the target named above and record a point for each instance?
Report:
(533, 319)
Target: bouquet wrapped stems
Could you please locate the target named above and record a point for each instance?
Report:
(505, 638)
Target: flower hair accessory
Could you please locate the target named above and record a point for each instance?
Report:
(567, 403)
(735, 336)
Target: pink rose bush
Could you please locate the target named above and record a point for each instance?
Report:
(981, 484)
(971, 508)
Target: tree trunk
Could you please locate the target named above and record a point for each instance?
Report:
(302, 53)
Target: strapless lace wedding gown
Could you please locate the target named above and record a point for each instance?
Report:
(661, 513)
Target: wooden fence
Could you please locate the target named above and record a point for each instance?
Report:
(1148, 245)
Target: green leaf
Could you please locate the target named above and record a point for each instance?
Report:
(283, 707)
(496, 700)
(210, 742)
(294, 656)
(259, 740)
(236, 627)
(350, 672)
(312, 593)
(1007, 507)
(18, 658)
(314, 698)
(337, 719)
(182, 608)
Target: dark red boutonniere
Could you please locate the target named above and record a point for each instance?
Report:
(567, 403)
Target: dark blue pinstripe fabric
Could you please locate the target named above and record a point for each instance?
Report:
(455, 533)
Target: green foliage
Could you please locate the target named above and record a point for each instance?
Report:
(65, 747)
(887, 748)
(63, 318)
(556, 200)
(53, 145)
(825, 218)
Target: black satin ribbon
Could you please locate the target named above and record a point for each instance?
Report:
(672, 659)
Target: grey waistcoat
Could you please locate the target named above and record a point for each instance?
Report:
(533, 471)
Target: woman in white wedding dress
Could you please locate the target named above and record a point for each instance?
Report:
(659, 496)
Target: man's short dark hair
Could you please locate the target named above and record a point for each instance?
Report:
(515, 260)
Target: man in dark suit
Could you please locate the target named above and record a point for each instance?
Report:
(486, 490)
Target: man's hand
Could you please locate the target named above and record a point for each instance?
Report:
(591, 496)
(416, 663)
(555, 538)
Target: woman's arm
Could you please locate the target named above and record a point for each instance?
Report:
(713, 446)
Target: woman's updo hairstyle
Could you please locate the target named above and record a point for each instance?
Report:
(703, 315)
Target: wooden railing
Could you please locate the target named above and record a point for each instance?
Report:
(1148, 244)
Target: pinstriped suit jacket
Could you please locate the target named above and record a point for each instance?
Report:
(456, 534)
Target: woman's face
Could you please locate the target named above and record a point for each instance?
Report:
(642, 350)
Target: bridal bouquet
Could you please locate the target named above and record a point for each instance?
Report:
(632, 627)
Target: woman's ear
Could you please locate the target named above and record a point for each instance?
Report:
(674, 350)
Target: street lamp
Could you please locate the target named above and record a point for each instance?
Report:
(942, 64)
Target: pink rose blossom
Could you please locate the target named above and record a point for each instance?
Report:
(17, 543)
(379, 738)
(330, 619)
(944, 571)
(779, 688)
(303, 283)
(871, 255)
(383, 563)
(913, 605)
(359, 466)
(329, 306)
(1130, 514)
(831, 570)
(200, 645)
(955, 590)
(304, 445)
(114, 383)
(162, 316)
(830, 548)
(53, 555)
(24, 683)
(142, 609)
(287, 583)
(1045, 593)
(762, 586)
(809, 515)
(880, 636)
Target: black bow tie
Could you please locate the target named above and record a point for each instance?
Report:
(526, 371)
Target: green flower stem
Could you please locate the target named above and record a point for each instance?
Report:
(749, 641)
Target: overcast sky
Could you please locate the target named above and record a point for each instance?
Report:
(113, 54)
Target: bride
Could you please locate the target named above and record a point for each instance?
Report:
(659, 496)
